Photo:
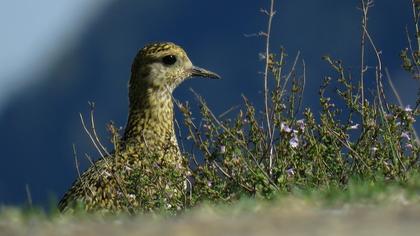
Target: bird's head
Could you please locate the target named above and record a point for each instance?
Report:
(162, 67)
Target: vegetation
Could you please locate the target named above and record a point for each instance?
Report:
(356, 134)
(358, 149)
(286, 147)
(380, 207)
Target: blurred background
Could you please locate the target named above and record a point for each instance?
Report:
(56, 55)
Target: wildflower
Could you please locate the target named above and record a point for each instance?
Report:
(387, 162)
(106, 173)
(355, 126)
(222, 149)
(389, 116)
(409, 146)
(301, 124)
(408, 108)
(405, 135)
(209, 184)
(374, 149)
(179, 166)
(127, 168)
(294, 141)
(285, 128)
(290, 172)
(411, 119)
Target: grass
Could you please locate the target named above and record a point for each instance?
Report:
(379, 207)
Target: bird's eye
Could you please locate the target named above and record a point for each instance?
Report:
(169, 60)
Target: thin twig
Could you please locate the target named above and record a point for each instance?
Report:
(400, 102)
(380, 92)
(189, 187)
(281, 63)
(180, 135)
(270, 14)
(303, 86)
(347, 145)
(76, 162)
(365, 10)
(292, 70)
(200, 99)
(414, 54)
(28, 195)
(410, 47)
(199, 141)
(379, 85)
(104, 158)
(228, 111)
(92, 139)
(92, 123)
(393, 88)
(416, 23)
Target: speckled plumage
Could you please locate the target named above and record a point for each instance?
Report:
(134, 177)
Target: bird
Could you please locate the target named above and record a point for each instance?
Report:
(146, 171)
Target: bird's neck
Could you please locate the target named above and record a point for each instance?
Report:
(150, 121)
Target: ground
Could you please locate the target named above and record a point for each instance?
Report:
(387, 210)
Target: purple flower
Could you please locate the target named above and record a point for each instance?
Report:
(290, 172)
(355, 126)
(408, 108)
(285, 128)
(405, 135)
(294, 141)
(301, 124)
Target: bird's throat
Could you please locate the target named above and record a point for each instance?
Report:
(150, 120)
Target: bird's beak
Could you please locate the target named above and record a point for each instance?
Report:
(200, 72)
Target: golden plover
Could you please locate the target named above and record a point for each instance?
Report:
(147, 171)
